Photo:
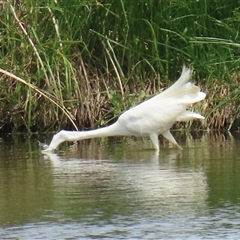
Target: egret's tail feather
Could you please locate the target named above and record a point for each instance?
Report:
(171, 91)
(184, 78)
(182, 91)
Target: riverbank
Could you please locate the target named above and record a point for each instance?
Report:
(81, 65)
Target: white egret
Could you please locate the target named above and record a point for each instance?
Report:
(150, 118)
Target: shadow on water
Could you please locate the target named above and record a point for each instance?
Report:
(119, 188)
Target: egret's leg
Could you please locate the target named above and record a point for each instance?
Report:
(154, 139)
(171, 139)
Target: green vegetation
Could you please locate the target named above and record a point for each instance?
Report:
(82, 62)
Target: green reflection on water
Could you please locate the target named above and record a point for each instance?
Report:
(100, 179)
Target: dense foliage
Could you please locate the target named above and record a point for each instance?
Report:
(83, 62)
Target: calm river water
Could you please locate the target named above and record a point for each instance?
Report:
(117, 188)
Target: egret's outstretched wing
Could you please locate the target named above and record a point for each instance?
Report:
(159, 113)
(151, 118)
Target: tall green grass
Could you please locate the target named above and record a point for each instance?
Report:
(84, 62)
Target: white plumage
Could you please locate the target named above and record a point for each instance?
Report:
(150, 118)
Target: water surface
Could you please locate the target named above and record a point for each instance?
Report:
(117, 188)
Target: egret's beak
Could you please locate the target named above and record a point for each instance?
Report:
(47, 149)
(42, 145)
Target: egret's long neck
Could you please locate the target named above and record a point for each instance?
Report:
(112, 130)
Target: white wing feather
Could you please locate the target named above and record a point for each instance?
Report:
(159, 113)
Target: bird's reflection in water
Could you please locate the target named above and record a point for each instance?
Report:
(148, 178)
